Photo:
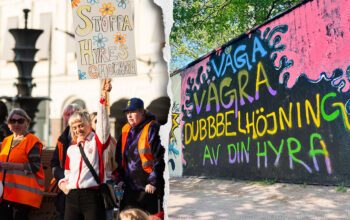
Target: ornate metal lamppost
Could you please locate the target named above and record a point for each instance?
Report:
(24, 59)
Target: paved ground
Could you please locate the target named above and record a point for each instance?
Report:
(196, 198)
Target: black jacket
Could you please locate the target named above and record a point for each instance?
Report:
(64, 139)
(4, 131)
(133, 175)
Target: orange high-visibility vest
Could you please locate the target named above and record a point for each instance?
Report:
(60, 153)
(60, 147)
(53, 182)
(19, 186)
(143, 146)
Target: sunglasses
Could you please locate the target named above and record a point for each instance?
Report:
(18, 121)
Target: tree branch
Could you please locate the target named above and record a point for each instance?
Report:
(213, 14)
(271, 9)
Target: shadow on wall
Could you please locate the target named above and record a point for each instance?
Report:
(159, 107)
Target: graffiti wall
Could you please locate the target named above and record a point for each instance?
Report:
(176, 160)
(273, 103)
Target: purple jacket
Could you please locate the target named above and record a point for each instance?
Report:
(134, 177)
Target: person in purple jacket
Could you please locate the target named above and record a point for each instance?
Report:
(140, 159)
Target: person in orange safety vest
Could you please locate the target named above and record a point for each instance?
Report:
(21, 170)
(141, 158)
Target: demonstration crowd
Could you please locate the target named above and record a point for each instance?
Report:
(92, 171)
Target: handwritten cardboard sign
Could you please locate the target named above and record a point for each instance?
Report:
(104, 34)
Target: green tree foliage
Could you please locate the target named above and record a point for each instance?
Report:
(203, 25)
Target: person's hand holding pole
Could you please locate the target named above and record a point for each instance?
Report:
(106, 87)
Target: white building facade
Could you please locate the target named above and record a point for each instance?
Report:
(57, 78)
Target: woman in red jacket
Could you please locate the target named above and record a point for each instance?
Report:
(83, 200)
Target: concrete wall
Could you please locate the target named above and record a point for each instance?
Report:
(273, 103)
(175, 160)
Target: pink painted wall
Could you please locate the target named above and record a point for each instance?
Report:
(317, 40)
(191, 72)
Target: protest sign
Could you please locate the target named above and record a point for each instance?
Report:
(104, 34)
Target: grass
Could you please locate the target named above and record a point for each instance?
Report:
(267, 181)
(341, 188)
